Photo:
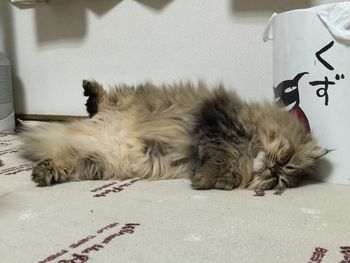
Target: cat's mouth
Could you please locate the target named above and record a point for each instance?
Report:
(265, 184)
(271, 183)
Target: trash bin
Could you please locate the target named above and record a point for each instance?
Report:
(311, 78)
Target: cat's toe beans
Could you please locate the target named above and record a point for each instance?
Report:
(43, 173)
(47, 173)
(90, 87)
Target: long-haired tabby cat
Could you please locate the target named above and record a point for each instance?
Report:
(174, 131)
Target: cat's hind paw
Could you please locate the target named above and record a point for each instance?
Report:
(91, 88)
(47, 173)
(94, 92)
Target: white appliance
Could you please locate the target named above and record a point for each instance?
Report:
(7, 115)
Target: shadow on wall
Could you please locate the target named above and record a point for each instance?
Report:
(247, 6)
(73, 24)
(66, 19)
(323, 169)
(156, 5)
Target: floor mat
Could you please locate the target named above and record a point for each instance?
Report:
(166, 221)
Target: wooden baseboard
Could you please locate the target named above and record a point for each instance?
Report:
(39, 117)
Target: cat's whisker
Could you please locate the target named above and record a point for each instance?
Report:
(282, 182)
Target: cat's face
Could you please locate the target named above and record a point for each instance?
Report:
(281, 164)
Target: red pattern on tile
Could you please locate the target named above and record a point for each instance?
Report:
(263, 192)
(76, 259)
(12, 150)
(318, 254)
(92, 248)
(82, 256)
(17, 169)
(114, 189)
(103, 186)
(128, 228)
(54, 256)
(279, 191)
(110, 226)
(346, 252)
(259, 193)
(82, 241)
(5, 143)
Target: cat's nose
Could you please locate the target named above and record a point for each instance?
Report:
(273, 168)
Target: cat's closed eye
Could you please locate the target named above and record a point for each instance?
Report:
(284, 159)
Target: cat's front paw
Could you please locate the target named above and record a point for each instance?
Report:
(227, 182)
(202, 181)
(47, 173)
(205, 178)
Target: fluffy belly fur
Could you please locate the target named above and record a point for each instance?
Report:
(128, 137)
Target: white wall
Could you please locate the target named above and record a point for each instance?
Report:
(54, 47)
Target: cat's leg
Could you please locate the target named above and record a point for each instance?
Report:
(208, 176)
(61, 170)
(47, 172)
(69, 152)
(204, 179)
(97, 96)
(216, 168)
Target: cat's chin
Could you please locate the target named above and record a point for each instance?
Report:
(259, 162)
(265, 184)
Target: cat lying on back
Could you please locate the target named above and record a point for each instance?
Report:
(174, 131)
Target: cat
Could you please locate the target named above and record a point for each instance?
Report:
(183, 130)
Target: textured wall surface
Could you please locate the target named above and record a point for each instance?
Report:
(53, 47)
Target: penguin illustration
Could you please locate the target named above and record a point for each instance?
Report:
(287, 94)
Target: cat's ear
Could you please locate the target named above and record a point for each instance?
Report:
(318, 152)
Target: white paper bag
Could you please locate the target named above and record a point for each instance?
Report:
(311, 74)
